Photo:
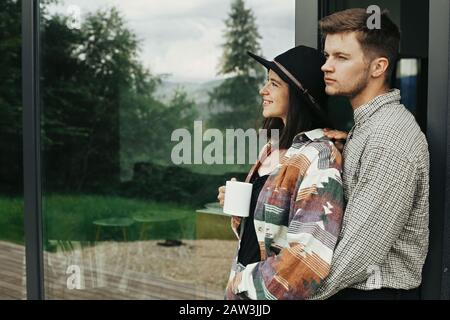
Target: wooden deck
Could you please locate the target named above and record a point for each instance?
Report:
(97, 283)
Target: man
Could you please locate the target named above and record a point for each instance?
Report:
(384, 238)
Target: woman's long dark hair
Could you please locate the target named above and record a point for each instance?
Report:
(302, 116)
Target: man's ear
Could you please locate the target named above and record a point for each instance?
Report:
(379, 67)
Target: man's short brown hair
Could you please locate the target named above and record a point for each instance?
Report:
(383, 42)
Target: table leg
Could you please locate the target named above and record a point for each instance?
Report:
(97, 235)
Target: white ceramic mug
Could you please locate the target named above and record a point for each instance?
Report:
(237, 198)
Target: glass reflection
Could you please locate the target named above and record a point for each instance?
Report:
(122, 220)
(407, 77)
(12, 250)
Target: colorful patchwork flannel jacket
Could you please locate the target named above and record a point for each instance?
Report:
(298, 218)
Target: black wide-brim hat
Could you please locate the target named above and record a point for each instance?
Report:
(301, 68)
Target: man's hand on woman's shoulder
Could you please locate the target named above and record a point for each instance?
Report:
(338, 137)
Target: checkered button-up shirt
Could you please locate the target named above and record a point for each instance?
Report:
(384, 236)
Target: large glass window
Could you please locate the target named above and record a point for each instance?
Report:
(133, 95)
(12, 250)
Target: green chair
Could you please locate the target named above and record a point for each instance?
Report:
(122, 223)
(148, 218)
(212, 208)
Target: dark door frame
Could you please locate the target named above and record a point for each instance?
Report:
(436, 284)
(31, 151)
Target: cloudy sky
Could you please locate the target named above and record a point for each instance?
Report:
(183, 37)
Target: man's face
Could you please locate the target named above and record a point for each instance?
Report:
(346, 69)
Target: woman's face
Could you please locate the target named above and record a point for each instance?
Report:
(275, 94)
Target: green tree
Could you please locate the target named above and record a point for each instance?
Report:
(146, 132)
(10, 97)
(100, 112)
(11, 172)
(87, 75)
(97, 100)
(236, 101)
(84, 73)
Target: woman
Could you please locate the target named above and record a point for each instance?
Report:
(287, 242)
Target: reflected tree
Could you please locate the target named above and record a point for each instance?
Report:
(10, 97)
(86, 72)
(146, 132)
(100, 112)
(236, 101)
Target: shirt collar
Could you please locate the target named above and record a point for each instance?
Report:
(365, 111)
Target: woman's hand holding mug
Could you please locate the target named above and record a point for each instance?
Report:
(235, 221)
(221, 195)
